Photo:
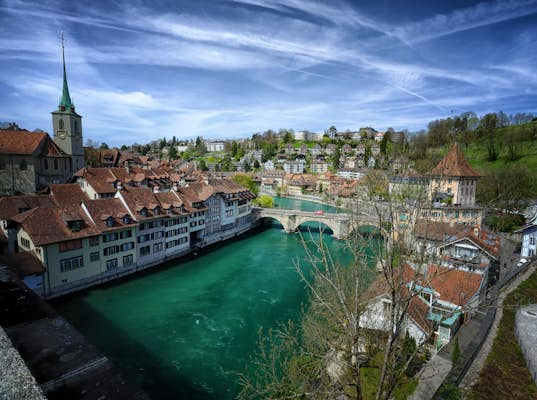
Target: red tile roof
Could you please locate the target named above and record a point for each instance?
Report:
(13, 205)
(454, 164)
(20, 142)
(68, 194)
(103, 209)
(454, 285)
(56, 228)
(432, 230)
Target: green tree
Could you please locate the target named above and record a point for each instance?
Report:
(264, 201)
(246, 181)
(257, 165)
(202, 165)
(172, 154)
(104, 146)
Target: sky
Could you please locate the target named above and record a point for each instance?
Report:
(139, 71)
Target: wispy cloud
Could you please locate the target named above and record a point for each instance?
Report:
(248, 65)
(482, 14)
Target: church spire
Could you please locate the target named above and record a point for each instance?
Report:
(65, 102)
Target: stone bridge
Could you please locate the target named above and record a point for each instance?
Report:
(341, 224)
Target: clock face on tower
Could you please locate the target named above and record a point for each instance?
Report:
(62, 135)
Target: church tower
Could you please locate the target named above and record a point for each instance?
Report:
(67, 125)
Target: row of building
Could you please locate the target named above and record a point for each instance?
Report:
(78, 235)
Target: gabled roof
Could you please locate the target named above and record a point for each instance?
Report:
(431, 230)
(67, 193)
(24, 142)
(454, 285)
(103, 209)
(13, 205)
(485, 240)
(454, 164)
(56, 228)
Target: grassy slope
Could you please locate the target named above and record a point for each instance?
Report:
(476, 152)
(505, 375)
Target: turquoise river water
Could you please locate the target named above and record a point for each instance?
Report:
(184, 330)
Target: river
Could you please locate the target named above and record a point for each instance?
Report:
(184, 330)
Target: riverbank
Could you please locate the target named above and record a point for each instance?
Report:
(308, 198)
(58, 360)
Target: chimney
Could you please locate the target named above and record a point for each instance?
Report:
(155, 189)
(476, 231)
(119, 185)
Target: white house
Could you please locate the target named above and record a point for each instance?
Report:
(529, 238)
(293, 167)
(215, 146)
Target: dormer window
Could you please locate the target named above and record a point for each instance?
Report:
(156, 210)
(75, 226)
(143, 212)
(126, 219)
(170, 210)
(110, 222)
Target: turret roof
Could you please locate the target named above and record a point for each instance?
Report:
(454, 164)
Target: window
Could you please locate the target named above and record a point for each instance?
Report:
(157, 247)
(45, 162)
(110, 237)
(76, 126)
(229, 213)
(70, 245)
(143, 212)
(125, 234)
(127, 246)
(94, 241)
(110, 222)
(55, 163)
(111, 250)
(69, 264)
(126, 220)
(94, 256)
(144, 251)
(532, 240)
(128, 260)
(111, 264)
(23, 165)
(25, 243)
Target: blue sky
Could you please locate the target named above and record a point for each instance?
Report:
(143, 70)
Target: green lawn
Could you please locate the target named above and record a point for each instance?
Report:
(505, 375)
(371, 376)
(476, 153)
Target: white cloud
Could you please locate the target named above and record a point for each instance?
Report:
(482, 14)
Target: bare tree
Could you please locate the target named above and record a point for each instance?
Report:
(342, 328)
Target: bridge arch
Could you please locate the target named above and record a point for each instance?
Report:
(318, 222)
(315, 225)
(274, 218)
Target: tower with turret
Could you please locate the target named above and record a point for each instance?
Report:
(67, 125)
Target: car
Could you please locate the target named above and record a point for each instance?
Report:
(519, 264)
(319, 212)
(523, 261)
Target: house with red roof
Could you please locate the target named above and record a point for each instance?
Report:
(434, 301)
(29, 161)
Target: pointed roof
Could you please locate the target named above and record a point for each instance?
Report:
(454, 164)
(66, 105)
